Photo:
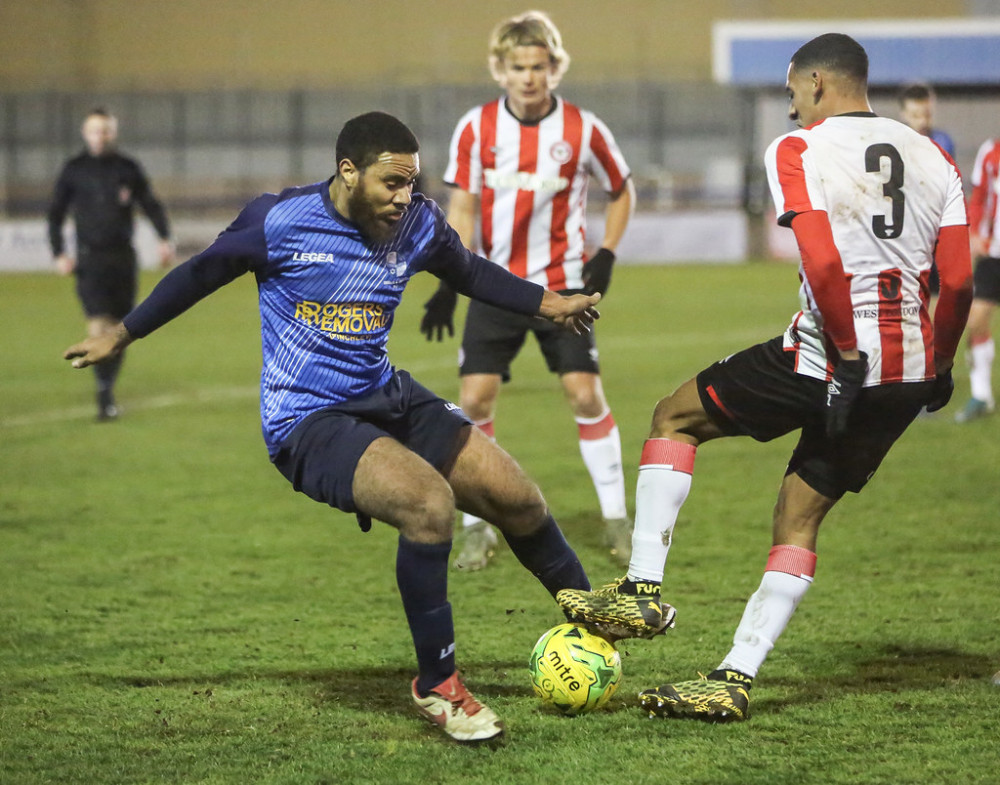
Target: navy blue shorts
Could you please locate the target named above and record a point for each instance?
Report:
(106, 282)
(320, 455)
(493, 337)
(757, 393)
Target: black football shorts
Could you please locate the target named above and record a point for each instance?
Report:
(986, 279)
(757, 393)
(106, 282)
(320, 455)
(493, 337)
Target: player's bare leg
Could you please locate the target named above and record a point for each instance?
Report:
(477, 397)
(631, 606)
(724, 695)
(601, 449)
(105, 373)
(417, 500)
(414, 498)
(489, 483)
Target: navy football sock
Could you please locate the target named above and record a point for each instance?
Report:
(548, 556)
(422, 577)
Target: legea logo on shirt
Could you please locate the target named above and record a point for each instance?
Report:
(298, 256)
(345, 321)
(523, 181)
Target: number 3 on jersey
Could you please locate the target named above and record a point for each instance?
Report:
(892, 188)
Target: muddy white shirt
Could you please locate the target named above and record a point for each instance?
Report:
(887, 192)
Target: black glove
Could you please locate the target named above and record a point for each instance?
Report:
(597, 272)
(841, 392)
(944, 386)
(440, 312)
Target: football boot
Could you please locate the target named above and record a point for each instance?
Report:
(478, 546)
(623, 609)
(452, 708)
(106, 408)
(975, 409)
(722, 696)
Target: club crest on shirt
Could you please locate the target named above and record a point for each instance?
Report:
(561, 151)
(396, 264)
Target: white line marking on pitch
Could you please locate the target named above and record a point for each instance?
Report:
(157, 402)
(167, 400)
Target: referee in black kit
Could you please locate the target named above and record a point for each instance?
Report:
(102, 185)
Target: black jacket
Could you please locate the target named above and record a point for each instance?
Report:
(102, 191)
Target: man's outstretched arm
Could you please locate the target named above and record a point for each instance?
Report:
(238, 249)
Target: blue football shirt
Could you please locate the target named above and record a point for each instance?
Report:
(327, 295)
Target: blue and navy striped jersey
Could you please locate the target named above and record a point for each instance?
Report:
(327, 295)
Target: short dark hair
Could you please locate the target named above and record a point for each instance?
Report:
(98, 111)
(836, 52)
(918, 91)
(365, 137)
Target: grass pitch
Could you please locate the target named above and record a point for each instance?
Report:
(172, 612)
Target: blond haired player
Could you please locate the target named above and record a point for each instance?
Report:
(522, 165)
(872, 204)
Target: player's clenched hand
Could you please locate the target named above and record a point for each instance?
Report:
(439, 313)
(597, 272)
(99, 348)
(841, 392)
(944, 386)
(575, 312)
(65, 264)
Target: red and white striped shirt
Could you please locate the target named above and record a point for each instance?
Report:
(887, 191)
(984, 217)
(532, 182)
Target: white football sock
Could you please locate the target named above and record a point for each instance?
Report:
(664, 482)
(980, 372)
(788, 575)
(601, 448)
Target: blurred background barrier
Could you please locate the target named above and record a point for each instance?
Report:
(241, 98)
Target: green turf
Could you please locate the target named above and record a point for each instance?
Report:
(171, 612)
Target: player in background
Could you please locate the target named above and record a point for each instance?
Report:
(917, 104)
(523, 163)
(872, 204)
(984, 228)
(102, 186)
(340, 422)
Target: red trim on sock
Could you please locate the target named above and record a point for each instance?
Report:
(486, 426)
(793, 560)
(597, 430)
(975, 340)
(668, 454)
